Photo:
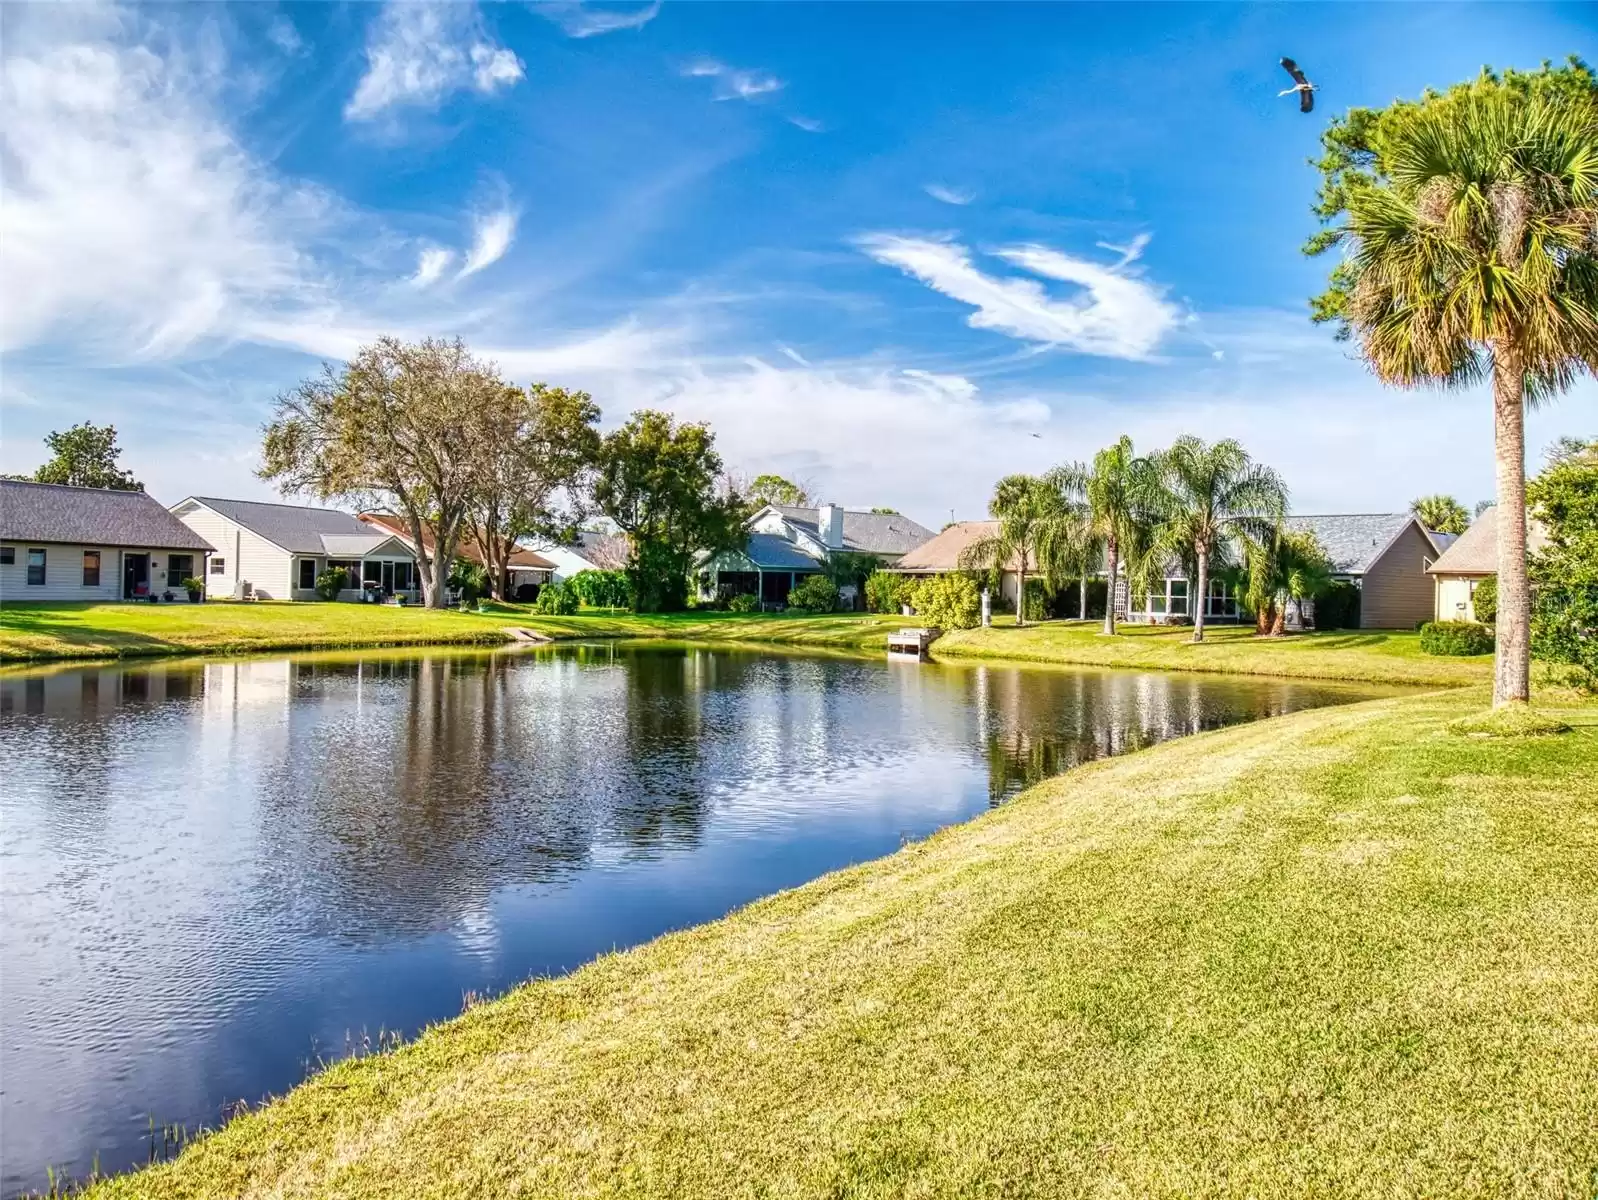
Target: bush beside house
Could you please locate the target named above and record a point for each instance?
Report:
(331, 582)
(1455, 638)
(948, 601)
(815, 593)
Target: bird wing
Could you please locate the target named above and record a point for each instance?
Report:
(1306, 101)
(1291, 68)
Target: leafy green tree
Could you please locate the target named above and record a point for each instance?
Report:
(1211, 495)
(774, 489)
(555, 600)
(1484, 599)
(601, 589)
(815, 593)
(86, 456)
(1466, 225)
(534, 475)
(657, 481)
(948, 601)
(410, 426)
(1290, 566)
(885, 591)
(331, 582)
(1564, 626)
(1116, 492)
(1036, 526)
(1441, 514)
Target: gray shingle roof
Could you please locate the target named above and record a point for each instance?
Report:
(1352, 540)
(864, 532)
(296, 528)
(351, 545)
(51, 512)
(773, 552)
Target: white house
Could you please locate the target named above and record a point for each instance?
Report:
(785, 543)
(1472, 558)
(276, 551)
(590, 551)
(73, 543)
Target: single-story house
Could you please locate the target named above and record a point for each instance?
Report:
(785, 543)
(1385, 555)
(75, 543)
(1472, 558)
(590, 550)
(527, 569)
(941, 554)
(276, 551)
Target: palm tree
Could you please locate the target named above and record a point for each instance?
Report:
(1473, 257)
(1211, 495)
(1037, 532)
(1290, 566)
(1114, 494)
(1441, 514)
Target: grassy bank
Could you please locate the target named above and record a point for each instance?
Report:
(1358, 656)
(1338, 953)
(42, 632)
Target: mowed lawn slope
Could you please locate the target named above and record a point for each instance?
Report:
(39, 632)
(1340, 953)
(1356, 655)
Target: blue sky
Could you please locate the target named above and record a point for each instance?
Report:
(892, 250)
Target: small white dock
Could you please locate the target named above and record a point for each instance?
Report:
(912, 641)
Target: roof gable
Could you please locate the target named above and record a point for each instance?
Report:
(53, 512)
(1353, 541)
(293, 527)
(1475, 552)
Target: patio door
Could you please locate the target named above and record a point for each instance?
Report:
(388, 577)
(135, 575)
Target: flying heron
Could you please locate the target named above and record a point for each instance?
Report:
(1305, 89)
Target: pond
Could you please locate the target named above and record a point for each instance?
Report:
(218, 873)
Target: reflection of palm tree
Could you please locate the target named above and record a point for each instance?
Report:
(1472, 258)
(1210, 495)
(1115, 494)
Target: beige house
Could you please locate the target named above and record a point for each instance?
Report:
(941, 555)
(1467, 562)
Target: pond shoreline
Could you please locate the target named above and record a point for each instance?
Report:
(39, 635)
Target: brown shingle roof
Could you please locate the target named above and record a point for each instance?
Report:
(54, 512)
(943, 552)
(470, 547)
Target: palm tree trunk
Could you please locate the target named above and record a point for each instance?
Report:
(1512, 658)
(1082, 598)
(1203, 590)
(1112, 561)
(1020, 591)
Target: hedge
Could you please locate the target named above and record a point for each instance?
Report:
(1455, 638)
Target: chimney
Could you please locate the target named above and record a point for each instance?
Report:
(829, 517)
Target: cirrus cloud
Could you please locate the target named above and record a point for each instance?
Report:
(417, 54)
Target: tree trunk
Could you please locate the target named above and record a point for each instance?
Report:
(1512, 656)
(1082, 598)
(1279, 618)
(1112, 563)
(424, 574)
(1020, 591)
(1197, 608)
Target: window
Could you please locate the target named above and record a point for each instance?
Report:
(35, 568)
(8, 556)
(178, 568)
(91, 568)
(1156, 602)
(402, 577)
(371, 571)
(1221, 602)
(219, 566)
(1178, 597)
(307, 573)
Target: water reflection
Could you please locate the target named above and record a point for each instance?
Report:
(213, 870)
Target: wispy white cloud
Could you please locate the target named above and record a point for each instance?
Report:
(492, 235)
(1116, 314)
(579, 20)
(282, 34)
(808, 124)
(949, 195)
(134, 222)
(430, 265)
(418, 54)
(733, 83)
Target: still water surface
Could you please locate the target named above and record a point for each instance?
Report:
(215, 873)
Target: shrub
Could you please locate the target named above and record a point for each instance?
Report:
(745, 602)
(1455, 638)
(1039, 600)
(1484, 599)
(331, 582)
(886, 592)
(191, 584)
(948, 601)
(815, 593)
(556, 600)
(601, 589)
(1338, 606)
(470, 579)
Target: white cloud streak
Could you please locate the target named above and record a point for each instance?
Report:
(492, 236)
(430, 265)
(1117, 314)
(579, 20)
(733, 83)
(418, 54)
(949, 195)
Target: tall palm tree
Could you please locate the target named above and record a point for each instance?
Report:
(1441, 514)
(1290, 566)
(1210, 495)
(1037, 531)
(1115, 494)
(1473, 257)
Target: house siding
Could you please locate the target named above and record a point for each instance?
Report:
(1455, 597)
(63, 571)
(246, 555)
(1397, 592)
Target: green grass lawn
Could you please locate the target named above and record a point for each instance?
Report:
(1340, 953)
(34, 632)
(1356, 655)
